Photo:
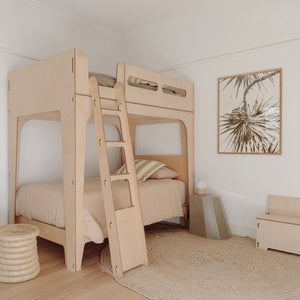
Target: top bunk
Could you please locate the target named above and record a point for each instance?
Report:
(45, 88)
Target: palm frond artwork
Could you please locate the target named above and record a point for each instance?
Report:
(250, 113)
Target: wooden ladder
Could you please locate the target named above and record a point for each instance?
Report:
(125, 226)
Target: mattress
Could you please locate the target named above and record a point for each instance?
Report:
(160, 199)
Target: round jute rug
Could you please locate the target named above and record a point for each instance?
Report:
(185, 266)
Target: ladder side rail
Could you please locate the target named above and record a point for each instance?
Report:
(129, 158)
(106, 181)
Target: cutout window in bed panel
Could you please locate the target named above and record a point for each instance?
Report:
(142, 83)
(40, 152)
(173, 91)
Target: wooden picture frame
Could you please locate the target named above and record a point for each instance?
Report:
(249, 113)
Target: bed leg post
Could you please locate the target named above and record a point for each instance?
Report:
(73, 141)
(73, 265)
(184, 221)
(69, 184)
(82, 116)
(80, 253)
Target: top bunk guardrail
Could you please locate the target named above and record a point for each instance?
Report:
(150, 88)
(141, 86)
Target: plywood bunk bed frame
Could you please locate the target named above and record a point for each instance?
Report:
(58, 89)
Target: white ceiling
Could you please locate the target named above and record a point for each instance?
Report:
(123, 16)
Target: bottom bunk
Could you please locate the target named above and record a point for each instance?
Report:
(160, 199)
(42, 204)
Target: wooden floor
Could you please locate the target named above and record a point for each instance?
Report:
(56, 282)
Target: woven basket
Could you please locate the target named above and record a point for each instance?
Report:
(18, 253)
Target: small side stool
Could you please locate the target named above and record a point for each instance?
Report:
(207, 218)
(18, 253)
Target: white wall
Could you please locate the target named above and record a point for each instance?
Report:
(244, 181)
(197, 47)
(167, 142)
(216, 28)
(30, 31)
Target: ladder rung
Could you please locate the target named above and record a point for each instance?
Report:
(119, 177)
(116, 144)
(111, 112)
(118, 209)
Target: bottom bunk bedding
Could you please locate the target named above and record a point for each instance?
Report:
(160, 199)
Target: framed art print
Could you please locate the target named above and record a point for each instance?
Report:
(249, 113)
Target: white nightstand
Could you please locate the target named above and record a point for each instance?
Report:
(207, 218)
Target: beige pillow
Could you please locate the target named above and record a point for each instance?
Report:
(144, 168)
(164, 173)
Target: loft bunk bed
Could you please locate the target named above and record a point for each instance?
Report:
(58, 89)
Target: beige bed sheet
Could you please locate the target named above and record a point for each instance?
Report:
(160, 199)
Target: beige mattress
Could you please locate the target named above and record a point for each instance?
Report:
(160, 199)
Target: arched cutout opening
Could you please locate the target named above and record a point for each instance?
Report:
(142, 83)
(40, 157)
(173, 91)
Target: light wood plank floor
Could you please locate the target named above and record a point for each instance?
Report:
(56, 282)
